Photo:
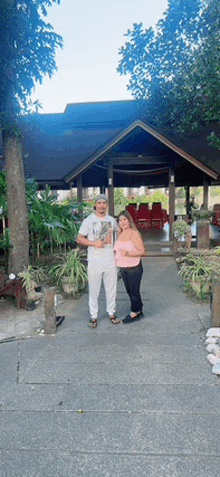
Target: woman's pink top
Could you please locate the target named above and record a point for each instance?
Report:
(126, 261)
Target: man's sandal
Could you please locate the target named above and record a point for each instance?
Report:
(114, 319)
(93, 323)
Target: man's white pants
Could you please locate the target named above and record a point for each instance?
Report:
(96, 271)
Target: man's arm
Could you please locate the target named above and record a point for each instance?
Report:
(82, 240)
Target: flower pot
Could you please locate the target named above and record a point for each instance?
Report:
(69, 288)
(196, 286)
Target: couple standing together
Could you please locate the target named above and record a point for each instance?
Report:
(98, 232)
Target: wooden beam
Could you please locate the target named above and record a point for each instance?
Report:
(71, 191)
(133, 160)
(110, 190)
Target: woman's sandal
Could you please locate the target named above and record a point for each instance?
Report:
(114, 319)
(93, 323)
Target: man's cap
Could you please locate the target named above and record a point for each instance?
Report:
(101, 197)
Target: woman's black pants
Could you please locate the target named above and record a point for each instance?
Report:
(132, 280)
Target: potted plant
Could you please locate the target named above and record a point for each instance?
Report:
(32, 274)
(71, 272)
(31, 279)
(202, 214)
(180, 229)
(199, 271)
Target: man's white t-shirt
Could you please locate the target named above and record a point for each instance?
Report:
(94, 228)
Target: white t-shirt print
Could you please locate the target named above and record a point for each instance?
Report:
(94, 228)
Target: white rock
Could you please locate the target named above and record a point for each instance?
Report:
(213, 332)
(213, 348)
(211, 340)
(216, 368)
(213, 359)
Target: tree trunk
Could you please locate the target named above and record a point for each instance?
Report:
(17, 207)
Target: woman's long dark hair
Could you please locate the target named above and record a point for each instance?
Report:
(132, 225)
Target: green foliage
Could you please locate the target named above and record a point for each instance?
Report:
(27, 54)
(3, 194)
(214, 191)
(196, 191)
(119, 197)
(35, 274)
(180, 192)
(200, 267)
(214, 140)
(201, 214)
(176, 66)
(143, 198)
(156, 197)
(180, 228)
(197, 273)
(3, 183)
(28, 47)
(4, 240)
(187, 287)
(72, 267)
(159, 197)
(49, 220)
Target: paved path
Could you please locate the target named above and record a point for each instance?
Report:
(151, 405)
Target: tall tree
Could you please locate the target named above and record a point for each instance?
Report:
(27, 54)
(176, 66)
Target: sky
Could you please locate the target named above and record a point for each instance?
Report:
(93, 32)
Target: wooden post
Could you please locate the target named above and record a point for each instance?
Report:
(215, 304)
(49, 311)
(110, 190)
(205, 195)
(79, 188)
(171, 200)
(187, 197)
(71, 192)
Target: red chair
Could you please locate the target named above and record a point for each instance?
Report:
(156, 215)
(132, 211)
(164, 215)
(144, 217)
(216, 218)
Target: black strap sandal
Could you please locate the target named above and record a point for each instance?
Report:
(92, 323)
(114, 319)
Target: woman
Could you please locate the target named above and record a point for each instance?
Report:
(129, 248)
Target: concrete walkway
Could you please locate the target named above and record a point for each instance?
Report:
(151, 405)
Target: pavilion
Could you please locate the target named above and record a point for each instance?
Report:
(110, 144)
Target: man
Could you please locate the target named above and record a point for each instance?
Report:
(191, 205)
(97, 233)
